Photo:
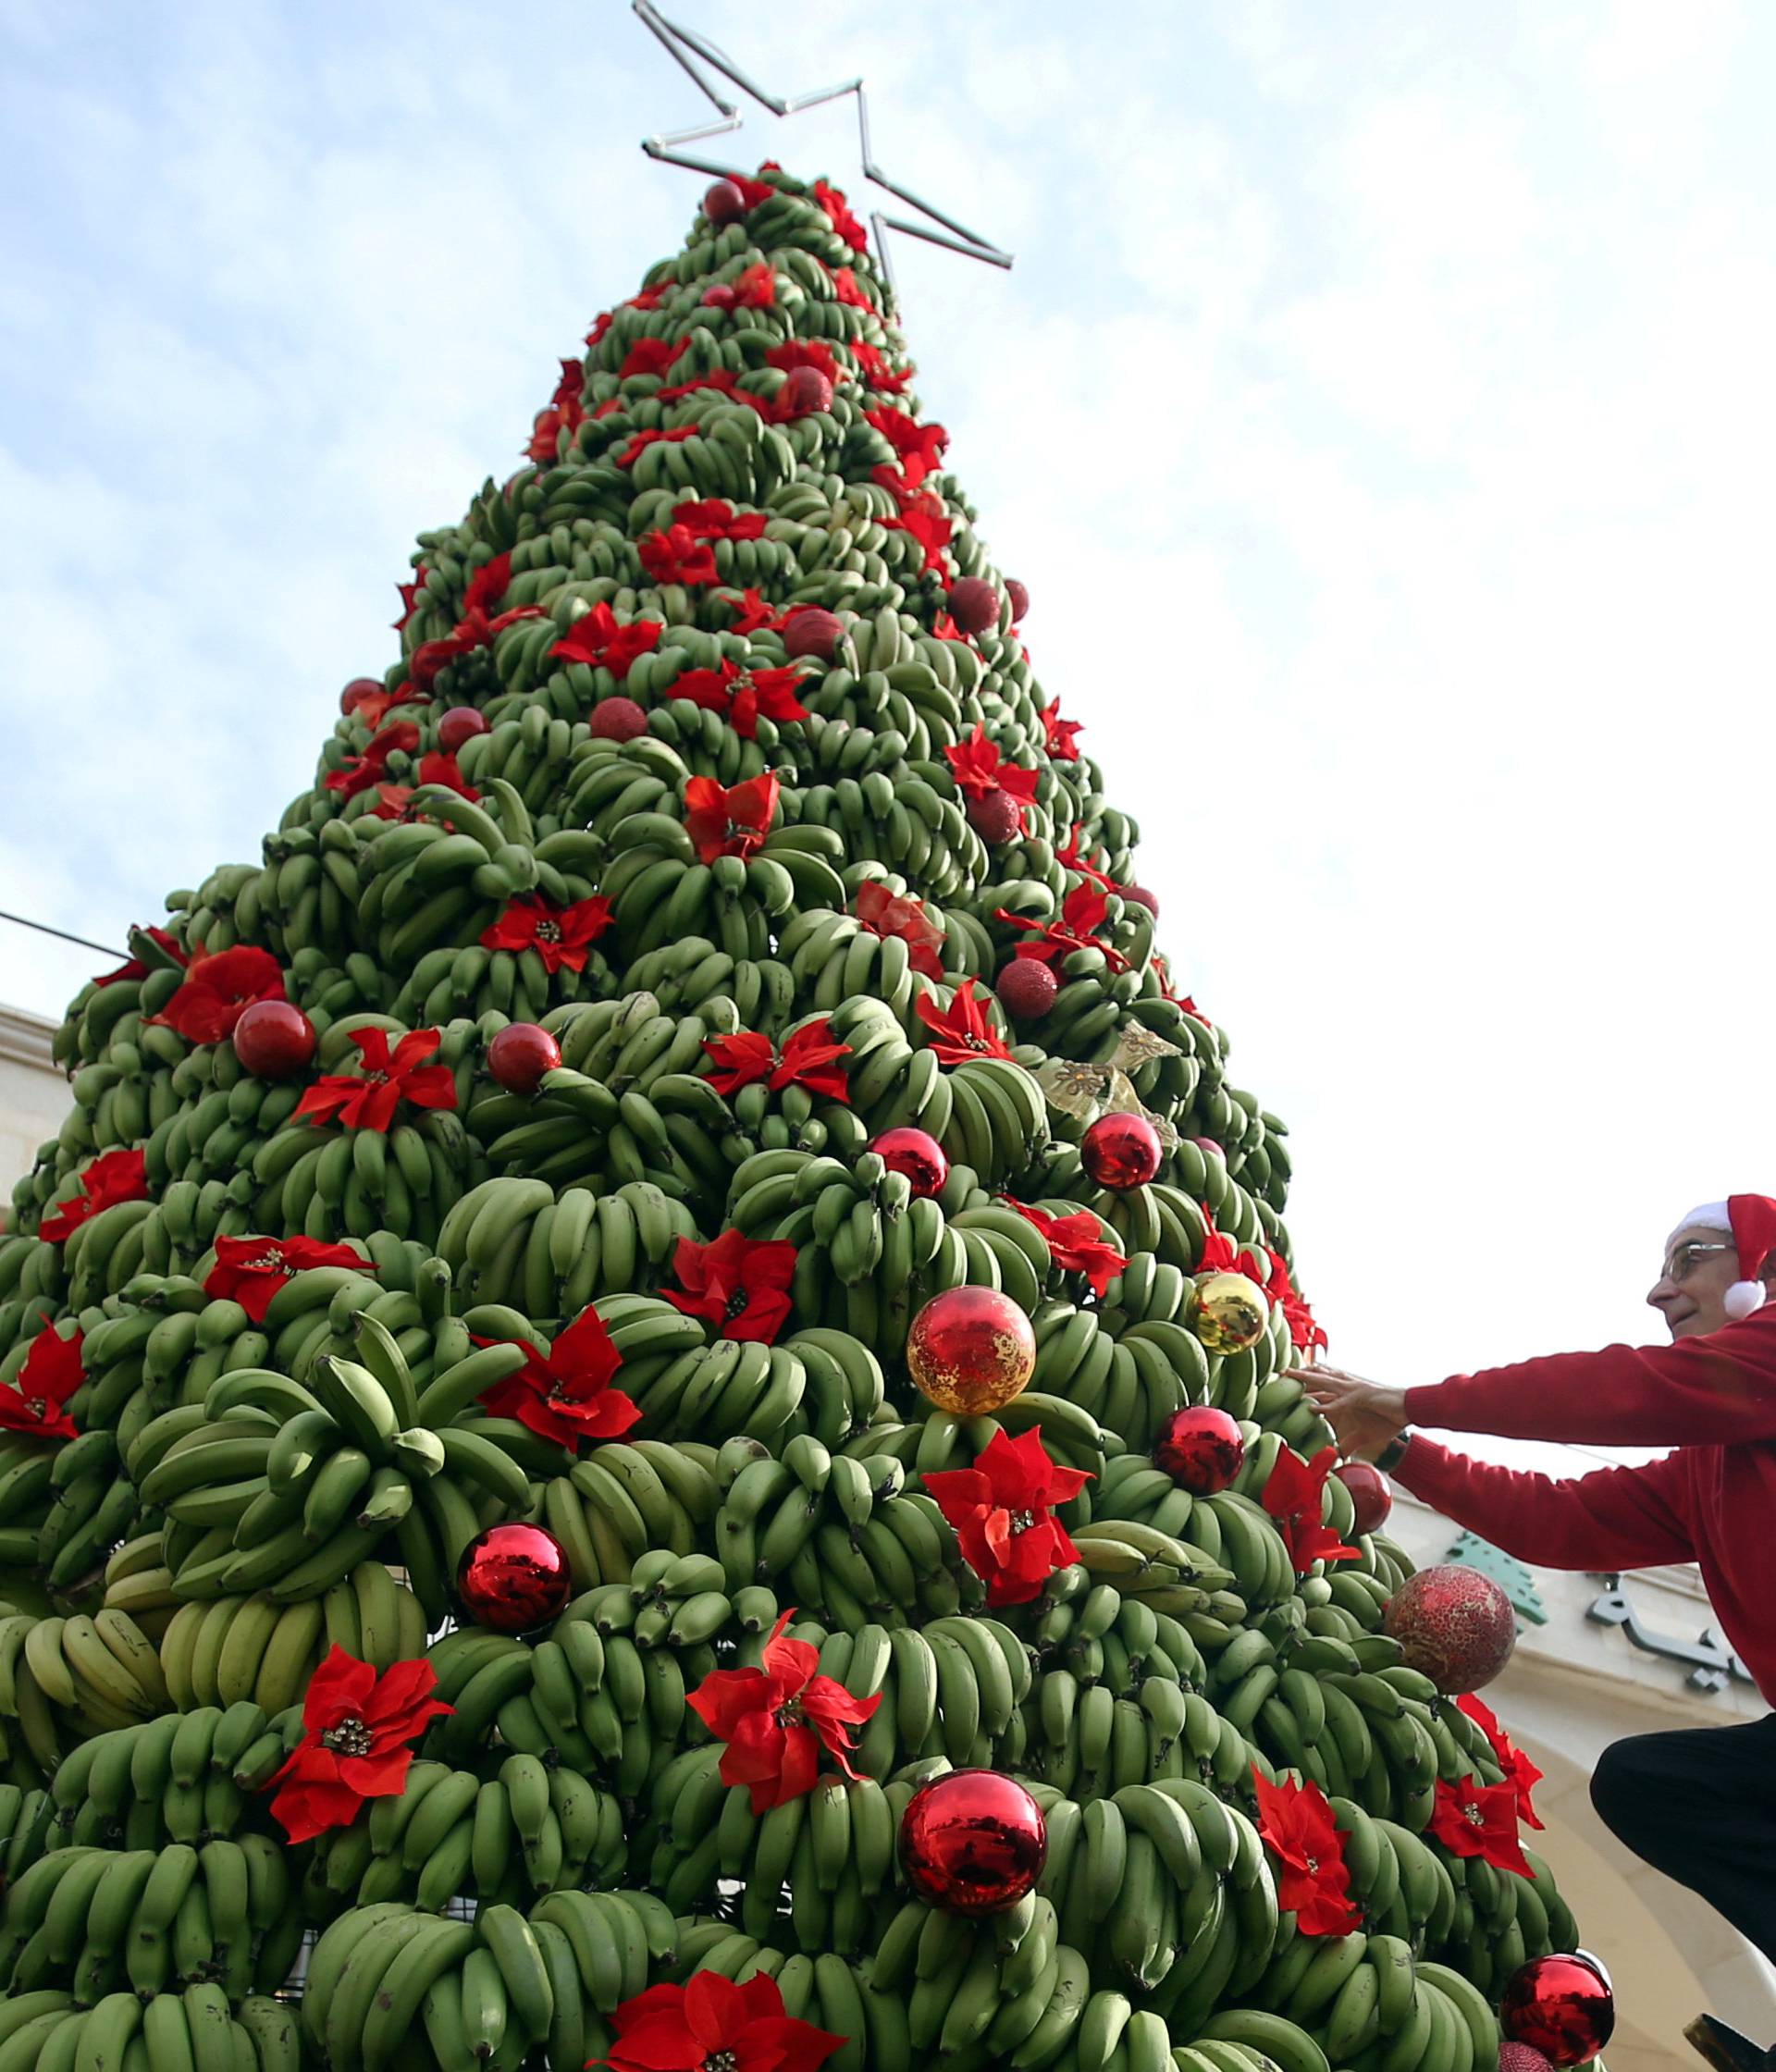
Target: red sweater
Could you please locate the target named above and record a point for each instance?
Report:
(1713, 1501)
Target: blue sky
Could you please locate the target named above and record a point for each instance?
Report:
(1378, 411)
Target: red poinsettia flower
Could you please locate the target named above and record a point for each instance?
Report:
(887, 913)
(1295, 1497)
(113, 1177)
(651, 298)
(561, 936)
(394, 802)
(809, 1060)
(920, 447)
(756, 288)
(710, 2021)
(358, 1730)
(924, 516)
(838, 213)
(845, 286)
(1521, 1774)
(1069, 857)
(1163, 971)
(640, 444)
(1296, 1824)
(652, 356)
(357, 773)
(566, 1395)
(410, 599)
(776, 1720)
(600, 329)
(368, 1100)
(596, 639)
(1475, 1819)
(731, 821)
(1082, 914)
(133, 967)
(612, 406)
(876, 370)
(978, 770)
(804, 353)
(36, 1403)
(564, 413)
(752, 615)
(1059, 733)
(374, 707)
(1075, 1245)
(218, 990)
(715, 518)
(1002, 1510)
(739, 696)
(961, 1031)
(740, 1284)
(1220, 1254)
(721, 379)
(1303, 1332)
(251, 1270)
(475, 628)
(675, 555)
(946, 628)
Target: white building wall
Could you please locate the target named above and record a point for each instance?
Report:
(34, 1096)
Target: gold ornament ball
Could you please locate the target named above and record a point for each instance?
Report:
(1227, 1312)
(970, 1349)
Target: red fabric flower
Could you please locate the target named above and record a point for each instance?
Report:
(1058, 734)
(740, 1284)
(561, 936)
(113, 1177)
(753, 192)
(752, 615)
(133, 967)
(838, 213)
(410, 599)
(1069, 857)
(394, 801)
(640, 444)
(1295, 1497)
(357, 1733)
(652, 356)
(1163, 970)
(721, 379)
(369, 1099)
(776, 1720)
(946, 628)
(474, 628)
(36, 1404)
(564, 412)
(804, 353)
(566, 1395)
(1520, 1772)
(886, 913)
(651, 298)
(1082, 914)
(251, 1270)
(978, 770)
(675, 555)
(1475, 1819)
(808, 1059)
(845, 286)
(739, 696)
(218, 990)
(1296, 1824)
(1001, 1510)
(756, 287)
(600, 329)
(1303, 1332)
(715, 518)
(731, 821)
(374, 707)
(924, 516)
(710, 2021)
(612, 406)
(596, 639)
(876, 370)
(1221, 1256)
(1075, 1246)
(961, 1031)
(920, 447)
(357, 773)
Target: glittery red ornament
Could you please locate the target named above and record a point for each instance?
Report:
(918, 1154)
(616, 718)
(974, 604)
(1120, 1151)
(1200, 1448)
(273, 1039)
(460, 724)
(1018, 598)
(1521, 2058)
(723, 202)
(970, 1349)
(520, 1055)
(996, 817)
(1372, 1495)
(513, 1579)
(804, 390)
(813, 632)
(358, 690)
(1455, 1625)
(1562, 2006)
(1027, 989)
(972, 1842)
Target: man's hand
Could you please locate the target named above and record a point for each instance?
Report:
(1365, 1416)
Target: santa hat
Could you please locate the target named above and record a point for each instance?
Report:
(1751, 1220)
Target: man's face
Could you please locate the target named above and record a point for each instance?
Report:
(1691, 1291)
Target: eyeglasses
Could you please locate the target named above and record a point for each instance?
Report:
(1684, 1260)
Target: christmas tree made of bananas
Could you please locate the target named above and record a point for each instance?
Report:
(712, 749)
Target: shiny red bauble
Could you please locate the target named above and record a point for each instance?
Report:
(1027, 988)
(513, 1579)
(1202, 1449)
(996, 817)
(1209, 1144)
(459, 726)
(718, 295)
(917, 1154)
(1121, 1150)
(972, 1842)
(520, 1055)
(1372, 1495)
(616, 718)
(273, 1039)
(970, 1349)
(1018, 597)
(974, 604)
(805, 390)
(1562, 2006)
(358, 690)
(1455, 1625)
(813, 632)
(723, 202)
(1141, 898)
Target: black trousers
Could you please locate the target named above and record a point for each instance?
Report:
(1700, 1805)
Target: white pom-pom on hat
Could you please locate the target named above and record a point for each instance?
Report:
(1752, 1218)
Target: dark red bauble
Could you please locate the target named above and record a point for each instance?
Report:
(723, 202)
(1027, 989)
(1455, 1625)
(358, 690)
(1019, 599)
(974, 604)
(1121, 1150)
(520, 1055)
(1372, 1495)
(718, 295)
(1141, 898)
(813, 632)
(513, 1579)
(616, 718)
(918, 1154)
(1202, 1449)
(970, 1349)
(273, 1039)
(1521, 2058)
(459, 726)
(996, 817)
(972, 1842)
(1209, 1144)
(805, 390)
(1562, 2006)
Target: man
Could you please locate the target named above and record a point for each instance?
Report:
(1699, 1804)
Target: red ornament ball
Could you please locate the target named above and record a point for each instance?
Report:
(1027, 988)
(996, 817)
(1372, 1495)
(513, 1579)
(1455, 1625)
(807, 389)
(459, 726)
(520, 1055)
(970, 1349)
(1521, 2058)
(1018, 598)
(718, 295)
(1562, 2006)
(813, 632)
(616, 718)
(974, 604)
(1141, 898)
(1209, 1144)
(972, 1842)
(273, 1039)
(358, 690)
(1202, 1449)
(1121, 1150)
(918, 1154)
(723, 202)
